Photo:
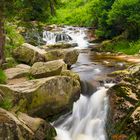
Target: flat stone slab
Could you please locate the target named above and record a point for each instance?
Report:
(19, 71)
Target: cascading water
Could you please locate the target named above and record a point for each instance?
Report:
(88, 118)
(67, 34)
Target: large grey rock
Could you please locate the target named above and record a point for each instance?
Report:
(24, 127)
(28, 54)
(43, 97)
(47, 69)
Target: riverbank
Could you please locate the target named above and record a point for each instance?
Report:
(47, 80)
(117, 45)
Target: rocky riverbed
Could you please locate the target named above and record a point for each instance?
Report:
(48, 80)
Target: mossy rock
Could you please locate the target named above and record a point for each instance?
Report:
(70, 74)
(43, 97)
(121, 73)
(22, 127)
(56, 54)
(29, 54)
(47, 69)
(71, 57)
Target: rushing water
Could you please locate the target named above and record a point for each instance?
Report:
(67, 34)
(88, 118)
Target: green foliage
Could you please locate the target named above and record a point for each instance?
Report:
(124, 16)
(123, 46)
(3, 77)
(74, 12)
(6, 103)
(110, 17)
(13, 38)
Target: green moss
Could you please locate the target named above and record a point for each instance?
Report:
(124, 91)
(6, 103)
(120, 73)
(54, 55)
(3, 77)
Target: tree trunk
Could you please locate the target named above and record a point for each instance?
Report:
(2, 37)
(52, 7)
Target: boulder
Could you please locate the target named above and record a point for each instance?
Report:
(56, 54)
(45, 97)
(23, 127)
(20, 70)
(28, 54)
(125, 104)
(71, 57)
(47, 69)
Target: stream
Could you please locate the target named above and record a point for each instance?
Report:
(87, 120)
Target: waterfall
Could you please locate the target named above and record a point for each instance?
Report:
(67, 35)
(87, 121)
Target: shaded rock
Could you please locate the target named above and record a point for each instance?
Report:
(43, 97)
(71, 57)
(28, 54)
(24, 127)
(20, 70)
(46, 69)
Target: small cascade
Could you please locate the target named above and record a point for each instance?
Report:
(62, 37)
(52, 38)
(78, 36)
(49, 37)
(67, 35)
(88, 118)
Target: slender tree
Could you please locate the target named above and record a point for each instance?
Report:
(2, 35)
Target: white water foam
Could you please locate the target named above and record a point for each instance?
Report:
(88, 118)
(77, 34)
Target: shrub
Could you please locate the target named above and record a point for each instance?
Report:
(3, 77)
